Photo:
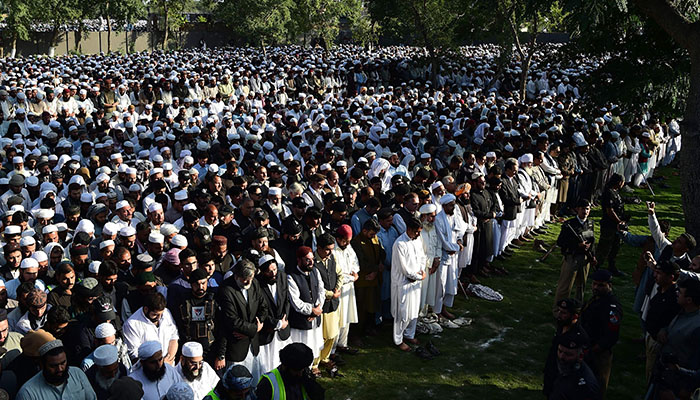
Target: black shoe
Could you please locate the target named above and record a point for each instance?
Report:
(432, 349)
(540, 231)
(514, 246)
(337, 359)
(501, 258)
(423, 353)
(508, 251)
(347, 350)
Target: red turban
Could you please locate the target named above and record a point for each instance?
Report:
(303, 251)
(345, 231)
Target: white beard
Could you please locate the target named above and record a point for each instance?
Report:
(277, 209)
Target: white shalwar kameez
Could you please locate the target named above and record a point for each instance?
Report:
(432, 250)
(407, 260)
(348, 262)
(202, 386)
(311, 337)
(450, 228)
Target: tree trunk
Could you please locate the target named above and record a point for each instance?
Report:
(690, 151)
(165, 26)
(109, 34)
(13, 47)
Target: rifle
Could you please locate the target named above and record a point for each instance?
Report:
(549, 251)
(589, 256)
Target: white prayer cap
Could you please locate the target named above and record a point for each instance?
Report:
(17, 160)
(341, 163)
(490, 154)
(192, 349)
(148, 349)
(127, 231)
(105, 330)
(155, 206)
(122, 204)
(102, 177)
(105, 355)
(264, 259)
(189, 206)
(107, 243)
(40, 256)
(110, 229)
(155, 237)
(508, 148)
(122, 168)
(167, 166)
(180, 391)
(27, 241)
(436, 185)
(526, 158)
(179, 241)
(425, 156)
(85, 225)
(94, 267)
(32, 181)
(157, 158)
(646, 134)
(168, 229)
(428, 208)
(476, 175)
(155, 171)
(274, 191)
(49, 229)
(86, 198)
(448, 198)
(29, 263)
(181, 195)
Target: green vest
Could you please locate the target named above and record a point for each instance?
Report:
(278, 391)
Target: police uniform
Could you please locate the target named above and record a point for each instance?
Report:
(601, 318)
(576, 261)
(577, 381)
(609, 239)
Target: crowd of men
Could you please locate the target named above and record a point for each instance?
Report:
(226, 224)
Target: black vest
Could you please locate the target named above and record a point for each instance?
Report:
(308, 293)
(329, 277)
(198, 320)
(317, 203)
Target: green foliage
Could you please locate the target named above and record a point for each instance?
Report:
(257, 20)
(18, 17)
(320, 19)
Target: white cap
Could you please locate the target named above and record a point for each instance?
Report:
(428, 208)
(127, 231)
(110, 228)
(181, 195)
(192, 349)
(27, 241)
(122, 204)
(94, 267)
(274, 191)
(179, 241)
(155, 237)
(155, 206)
(148, 349)
(105, 330)
(106, 354)
(29, 263)
(49, 229)
(106, 243)
(40, 256)
(13, 230)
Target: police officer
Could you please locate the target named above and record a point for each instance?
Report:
(576, 241)
(194, 313)
(601, 318)
(567, 319)
(575, 379)
(613, 217)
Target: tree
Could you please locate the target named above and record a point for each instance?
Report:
(259, 21)
(171, 14)
(320, 19)
(59, 14)
(18, 18)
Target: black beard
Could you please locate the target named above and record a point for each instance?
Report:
(190, 376)
(271, 280)
(105, 383)
(57, 380)
(156, 375)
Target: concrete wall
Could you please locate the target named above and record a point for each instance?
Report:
(94, 42)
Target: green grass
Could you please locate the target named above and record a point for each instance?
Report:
(501, 355)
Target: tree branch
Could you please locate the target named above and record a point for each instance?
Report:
(670, 20)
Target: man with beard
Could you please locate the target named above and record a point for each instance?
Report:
(433, 251)
(196, 372)
(152, 322)
(275, 208)
(450, 229)
(194, 312)
(275, 333)
(35, 317)
(484, 210)
(290, 239)
(574, 380)
(567, 323)
(348, 263)
(307, 296)
(409, 209)
(407, 273)
(9, 349)
(106, 333)
(56, 378)
(219, 250)
(106, 370)
(156, 375)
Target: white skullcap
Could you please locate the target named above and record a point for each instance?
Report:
(127, 231)
(189, 206)
(45, 213)
(448, 198)
(490, 154)
(192, 349)
(13, 230)
(155, 206)
(105, 330)
(428, 208)
(274, 191)
(29, 263)
(179, 241)
(436, 185)
(40, 256)
(122, 204)
(181, 195)
(155, 237)
(526, 158)
(180, 391)
(94, 267)
(148, 349)
(110, 229)
(49, 229)
(32, 181)
(27, 241)
(17, 159)
(102, 177)
(85, 225)
(105, 355)
(168, 229)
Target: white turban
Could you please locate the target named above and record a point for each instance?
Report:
(448, 198)
(428, 208)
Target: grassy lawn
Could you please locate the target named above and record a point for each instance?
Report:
(501, 355)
